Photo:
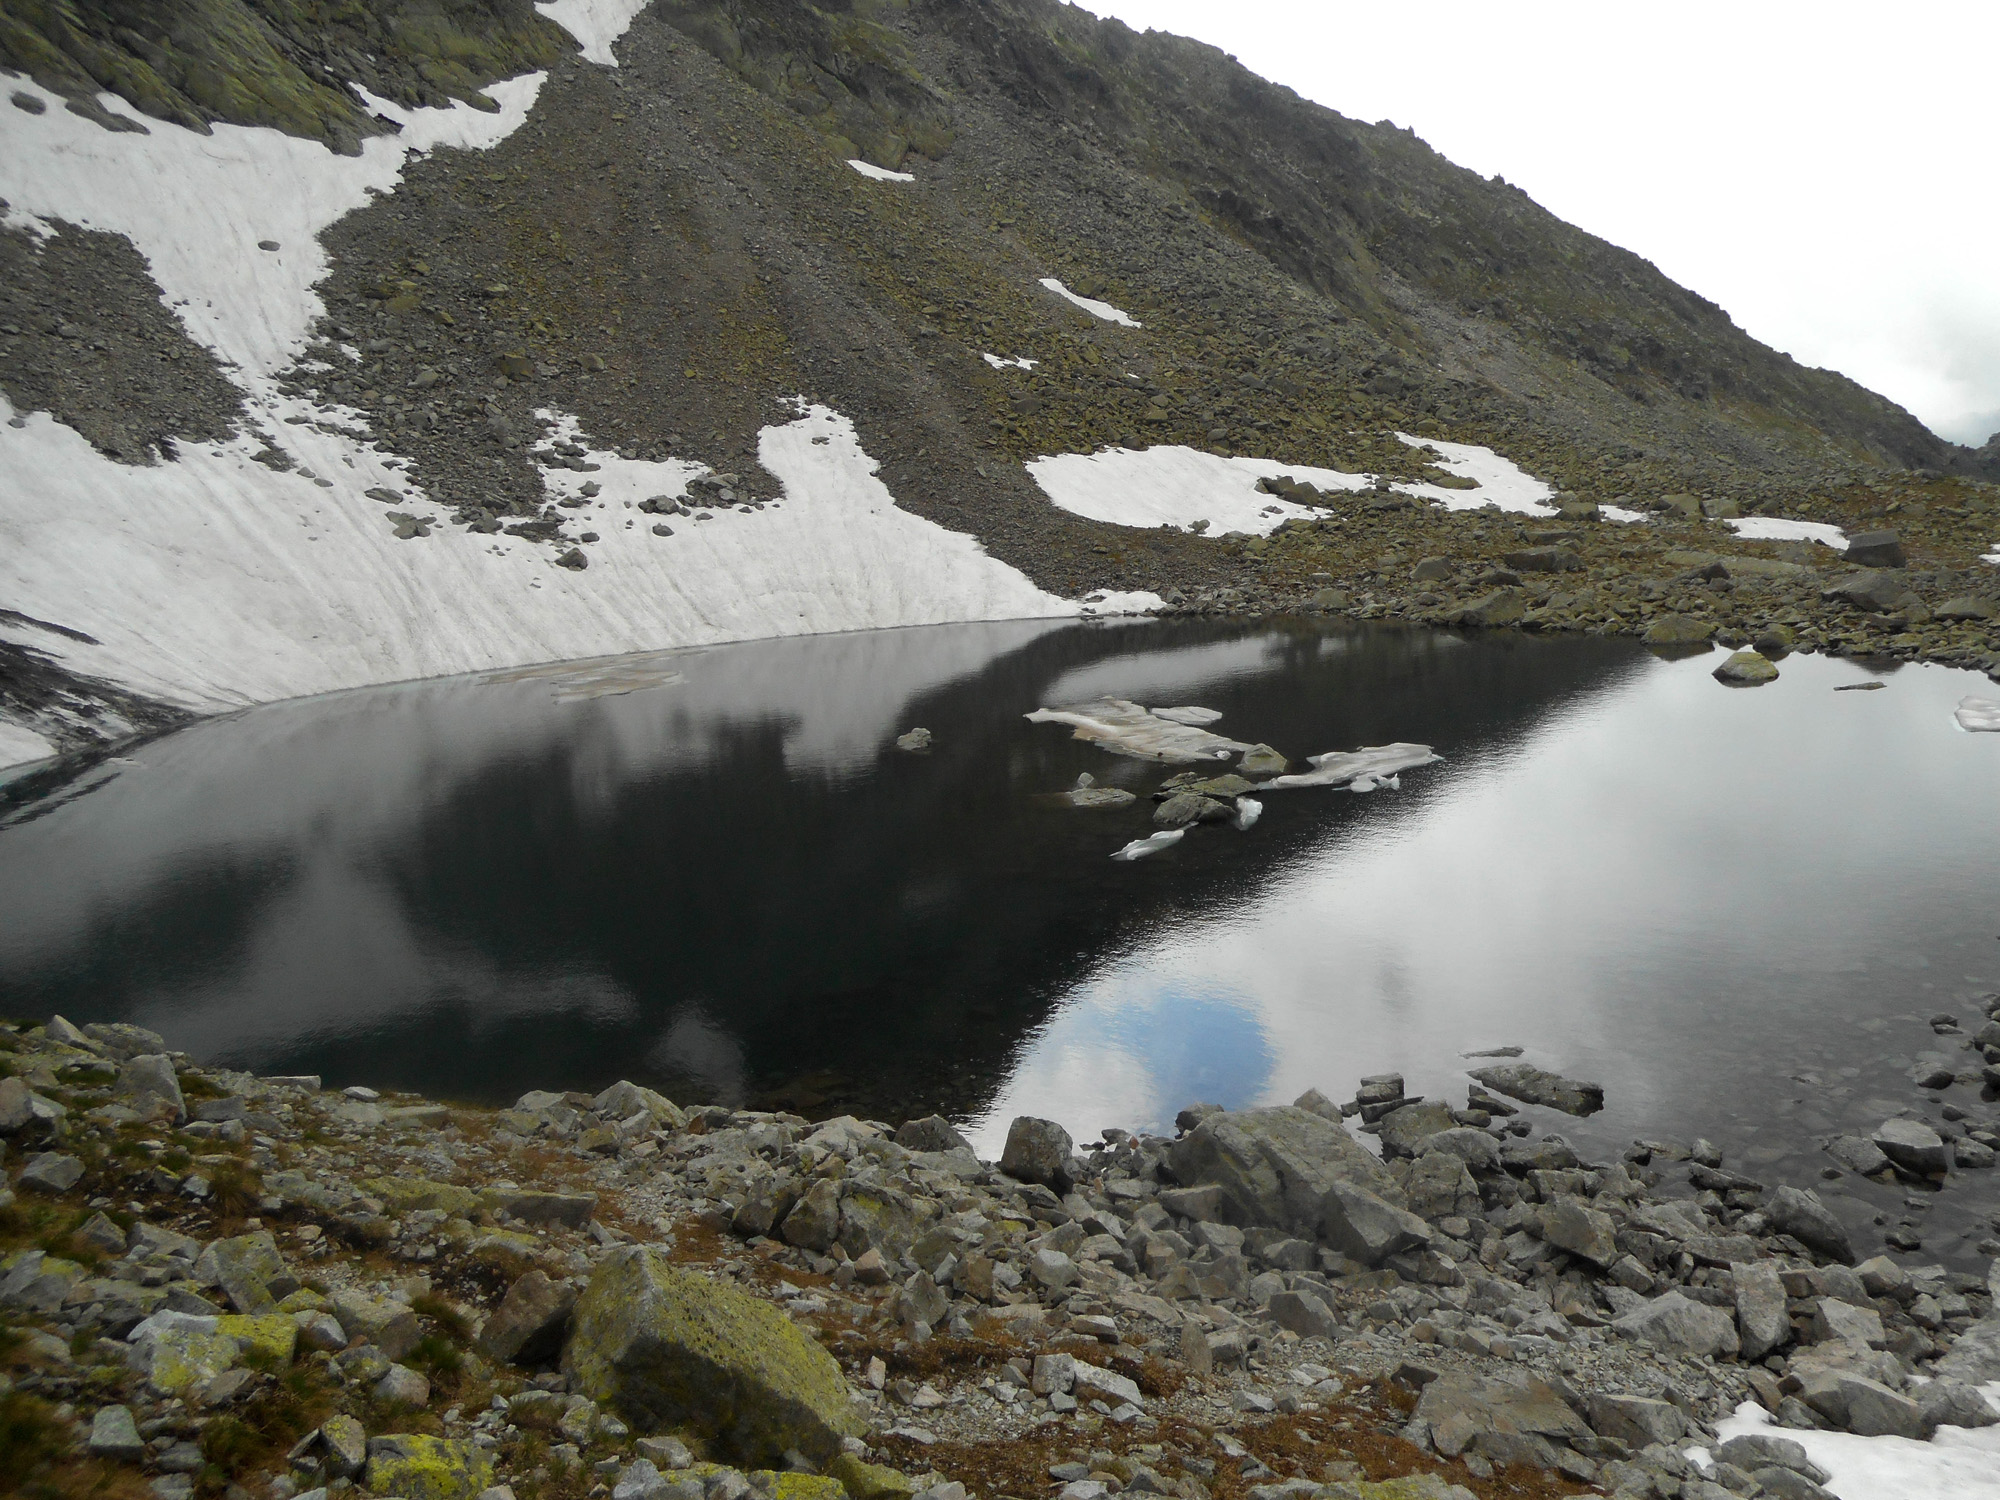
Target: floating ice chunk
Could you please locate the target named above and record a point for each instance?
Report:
(1126, 728)
(1009, 364)
(596, 24)
(1166, 838)
(1091, 305)
(1978, 713)
(1367, 781)
(1195, 716)
(1248, 811)
(1376, 763)
(880, 174)
(1778, 529)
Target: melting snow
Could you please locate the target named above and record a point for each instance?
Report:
(1091, 305)
(1126, 728)
(1778, 529)
(18, 745)
(1978, 714)
(1166, 838)
(1958, 1464)
(1009, 364)
(594, 23)
(1195, 716)
(1376, 765)
(1248, 811)
(1180, 486)
(880, 174)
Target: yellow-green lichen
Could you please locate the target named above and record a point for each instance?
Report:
(427, 1468)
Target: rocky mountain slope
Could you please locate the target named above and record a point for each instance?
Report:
(982, 233)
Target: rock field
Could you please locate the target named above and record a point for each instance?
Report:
(220, 1284)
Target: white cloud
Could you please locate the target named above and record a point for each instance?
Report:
(1820, 174)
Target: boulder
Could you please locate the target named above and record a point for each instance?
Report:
(244, 1268)
(1746, 669)
(666, 1348)
(1478, 1150)
(879, 1218)
(50, 1172)
(1837, 1322)
(571, 1210)
(1800, 1213)
(1858, 1154)
(1678, 630)
(527, 1327)
(115, 1435)
(1951, 1403)
(1675, 1325)
(1762, 1322)
(1752, 1451)
(1913, 1146)
(1637, 1421)
(1876, 549)
(1501, 607)
(1038, 1151)
(815, 1221)
(1533, 1085)
(1974, 1357)
(625, 1099)
(1569, 1224)
(1876, 592)
(152, 1087)
(1275, 1167)
(390, 1326)
(427, 1468)
(1403, 1130)
(1304, 1314)
(1438, 1186)
(1472, 1411)
(1368, 1228)
(933, 1133)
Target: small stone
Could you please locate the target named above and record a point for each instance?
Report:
(267, 244)
(402, 1386)
(115, 1435)
(50, 1172)
(31, 103)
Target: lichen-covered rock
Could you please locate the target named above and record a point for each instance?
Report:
(666, 1348)
(1277, 1167)
(390, 1326)
(244, 1267)
(153, 1088)
(1038, 1151)
(427, 1468)
(527, 1327)
(865, 1481)
(401, 1195)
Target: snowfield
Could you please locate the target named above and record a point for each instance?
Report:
(1181, 486)
(1091, 305)
(880, 174)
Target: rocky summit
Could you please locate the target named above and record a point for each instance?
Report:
(219, 1284)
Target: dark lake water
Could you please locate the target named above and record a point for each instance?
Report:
(711, 871)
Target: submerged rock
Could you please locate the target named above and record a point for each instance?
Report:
(1533, 1085)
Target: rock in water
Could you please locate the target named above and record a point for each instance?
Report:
(1747, 669)
(916, 740)
(1678, 630)
(1534, 1085)
(666, 1348)
(1166, 838)
(1800, 1213)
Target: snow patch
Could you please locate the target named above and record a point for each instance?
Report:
(1501, 481)
(18, 745)
(1175, 485)
(1126, 728)
(1958, 1464)
(1166, 838)
(1248, 811)
(1978, 714)
(1375, 766)
(1091, 305)
(1009, 364)
(880, 174)
(1122, 602)
(596, 24)
(1778, 529)
(1188, 715)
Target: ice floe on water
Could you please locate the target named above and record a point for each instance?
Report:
(1166, 838)
(1126, 728)
(596, 24)
(880, 174)
(1978, 714)
(1248, 811)
(1091, 305)
(1779, 529)
(1189, 715)
(1376, 765)
(1958, 1464)
(1174, 485)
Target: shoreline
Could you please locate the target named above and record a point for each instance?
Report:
(1256, 1301)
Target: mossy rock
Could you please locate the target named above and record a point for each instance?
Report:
(865, 1481)
(427, 1468)
(404, 1194)
(274, 1335)
(667, 1349)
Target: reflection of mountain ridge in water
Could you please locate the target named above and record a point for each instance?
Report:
(574, 905)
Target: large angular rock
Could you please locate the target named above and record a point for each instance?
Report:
(51, 1172)
(1867, 1408)
(1800, 1213)
(1878, 592)
(666, 1349)
(1478, 1150)
(527, 1327)
(1974, 1357)
(1404, 1130)
(815, 1221)
(932, 1133)
(879, 1218)
(1951, 1403)
(1304, 1314)
(531, 1206)
(427, 1468)
(1570, 1224)
(1913, 1146)
(1276, 1167)
(1675, 1325)
(1533, 1085)
(625, 1099)
(1837, 1322)
(150, 1085)
(244, 1268)
(1367, 1228)
(1038, 1151)
(1439, 1186)
(1876, 549)
(115, 1435)
(390, 1326)
(1762, 1322)
(1475, 1411)
(1637, 1421)
(1752, 1451)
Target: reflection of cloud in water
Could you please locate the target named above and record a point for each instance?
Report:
(1134, 1061)
(338, 946)
(1155, 678)
(694, 1048)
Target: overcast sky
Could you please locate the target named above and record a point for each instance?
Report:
(1826, 172)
